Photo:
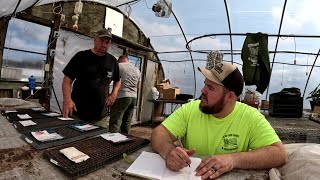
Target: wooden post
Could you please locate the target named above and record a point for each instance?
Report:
(50, 58)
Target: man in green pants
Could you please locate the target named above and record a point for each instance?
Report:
(122, 109)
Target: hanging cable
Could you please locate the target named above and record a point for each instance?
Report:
(147, 4)
(282, 74)
(55, 96)
(307, 65)
(128, 9)
(313, 65)
(9, 44)
(295, 51)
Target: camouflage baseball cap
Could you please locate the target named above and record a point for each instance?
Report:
(104, 33)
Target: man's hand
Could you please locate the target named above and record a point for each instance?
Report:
(178, 158)
(110, 99)
(68, 108)
(214, 166)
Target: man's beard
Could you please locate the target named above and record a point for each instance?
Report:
(213, 109)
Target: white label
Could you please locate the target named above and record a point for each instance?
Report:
(28, 140)
(54, 162)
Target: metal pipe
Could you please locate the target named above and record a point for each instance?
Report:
(25, 51)
(203, 60)
(238, 52)
(15, 9)
(226, 6)
(185, 38)
(127, 3)
(310, 74)
(276, 47)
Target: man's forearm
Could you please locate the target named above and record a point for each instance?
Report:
(116, 88)
(261, 158)
(161, 142)
(66, 88)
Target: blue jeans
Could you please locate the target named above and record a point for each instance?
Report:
(121, 114)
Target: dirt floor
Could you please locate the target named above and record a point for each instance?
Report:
(17, 157)
(144, 130)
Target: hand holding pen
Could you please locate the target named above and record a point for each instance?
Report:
(181, 145)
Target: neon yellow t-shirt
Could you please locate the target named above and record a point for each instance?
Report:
(243, 129)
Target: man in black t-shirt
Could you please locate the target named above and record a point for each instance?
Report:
(91, 72)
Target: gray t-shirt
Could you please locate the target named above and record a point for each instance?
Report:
(130, 76)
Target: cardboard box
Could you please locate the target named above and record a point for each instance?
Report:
(316, 109)
(163, 85)
(169, 93)
(254, 104)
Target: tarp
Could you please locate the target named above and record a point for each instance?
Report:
(303, 163)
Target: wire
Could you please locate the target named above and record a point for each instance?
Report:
(177, 35)
(307, 65)
(55, 96)
(147, 4)
(128, 9)
(135, 2)
(282, 74)
(37, 3)
(51, 12)
(9, 43)
(295, 50)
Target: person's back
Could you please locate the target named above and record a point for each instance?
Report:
(122, 110)
(130, 77)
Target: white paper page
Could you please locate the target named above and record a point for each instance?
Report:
(46, 136)
(38, 109)
(74, 154)
(86, 127)
(10, 111)
(187, 173)
(148, 165)
(41, 135)
(65, 119)
(27, 123)
(51, 114)
(24, 116)
(114, 137)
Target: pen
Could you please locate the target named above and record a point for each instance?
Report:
(181, 145)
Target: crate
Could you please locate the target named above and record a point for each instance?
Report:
(284, 105)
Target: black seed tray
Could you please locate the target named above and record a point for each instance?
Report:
(69, 134)
(100, 151)
(42, 124)
(34, 115)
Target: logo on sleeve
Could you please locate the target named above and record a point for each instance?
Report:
(230, 142)
(109, 74)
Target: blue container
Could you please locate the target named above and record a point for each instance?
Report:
(32, 83)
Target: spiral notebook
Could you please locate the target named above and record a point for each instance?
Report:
(152, 166)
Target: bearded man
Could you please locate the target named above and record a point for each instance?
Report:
(228, 133)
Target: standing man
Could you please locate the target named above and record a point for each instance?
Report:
(91, 72)
(122, 110)
(228, 133)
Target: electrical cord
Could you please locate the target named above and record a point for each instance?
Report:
(55, 96)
